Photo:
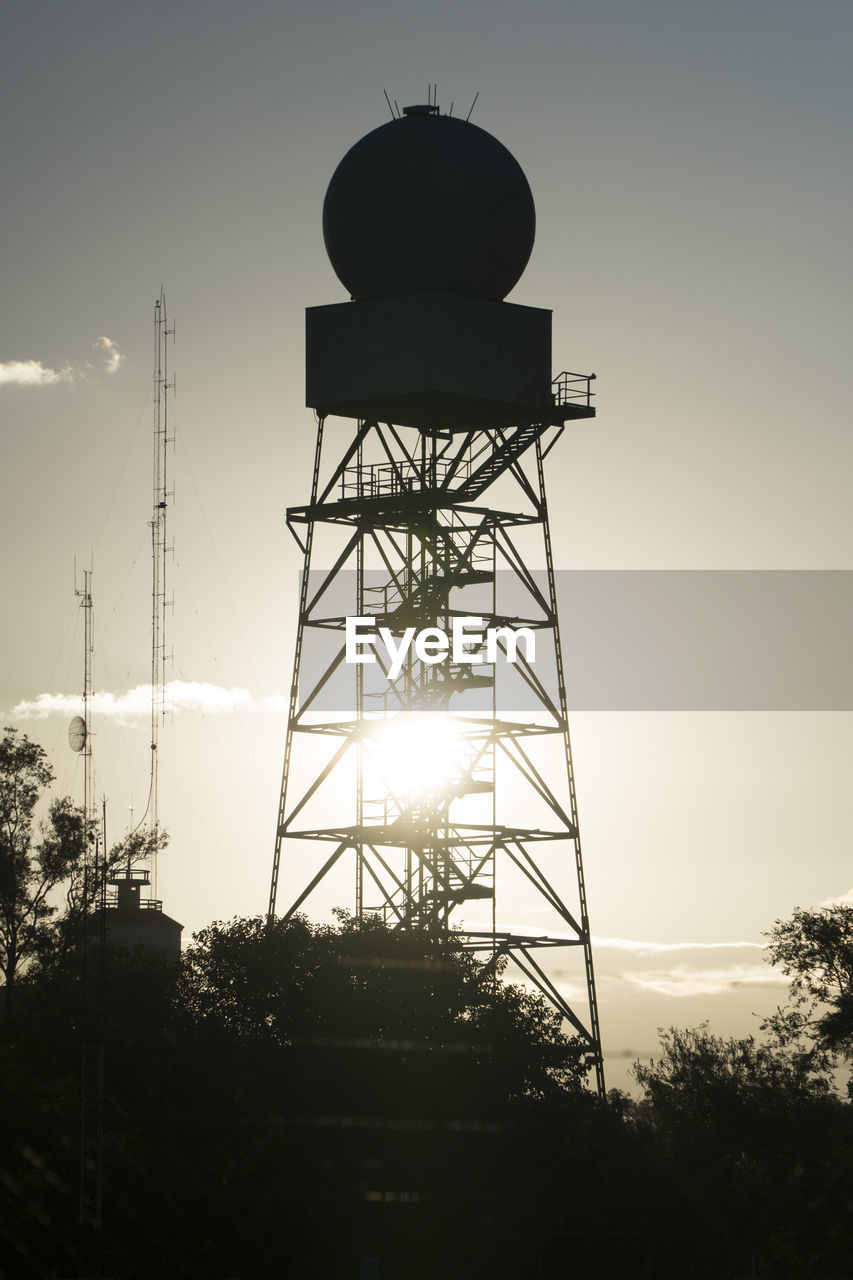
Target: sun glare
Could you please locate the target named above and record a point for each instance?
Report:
(417, 755)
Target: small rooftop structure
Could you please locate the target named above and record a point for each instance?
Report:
(133, 921)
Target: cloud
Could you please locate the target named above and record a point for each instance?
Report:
(678, 983)
(681, 981)
(32, 373)
(840, 900)
(688, 978)
(658, 948)
(274, 702)
(636, 946)
(135, 704)
(113, 359)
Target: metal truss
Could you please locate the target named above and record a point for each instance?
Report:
(420, 529)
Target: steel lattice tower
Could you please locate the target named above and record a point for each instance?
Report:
(436, 410)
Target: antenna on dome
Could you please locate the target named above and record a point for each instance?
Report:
(388, 100)
(473, 104)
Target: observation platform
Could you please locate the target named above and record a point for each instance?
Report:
(405, 833)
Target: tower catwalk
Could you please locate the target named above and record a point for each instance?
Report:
(428, 772)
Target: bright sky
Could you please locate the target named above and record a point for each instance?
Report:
(691, 167)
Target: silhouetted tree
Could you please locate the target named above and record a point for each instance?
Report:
(51, 875)
(299, 1096)
(750, 1146)
(363, 986)
(385, 1081)
(81, 893)
(815, 949)
(293, 1097)
(33, 860)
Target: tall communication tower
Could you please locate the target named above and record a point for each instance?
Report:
(131, 919)
(159, 549)
(427, 754)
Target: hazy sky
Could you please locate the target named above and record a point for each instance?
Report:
(691, 167)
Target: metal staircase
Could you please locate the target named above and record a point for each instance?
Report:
(501, 457)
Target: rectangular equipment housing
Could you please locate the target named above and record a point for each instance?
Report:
(433, 361)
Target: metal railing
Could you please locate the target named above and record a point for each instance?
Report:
(143, 904)
(379, 479)
(135, 875)
(573, 388)
(383, 479)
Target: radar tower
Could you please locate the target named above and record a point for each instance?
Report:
(446, 780)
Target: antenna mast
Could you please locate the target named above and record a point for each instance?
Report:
(80, 736)
(162, 439)
(92, 1065)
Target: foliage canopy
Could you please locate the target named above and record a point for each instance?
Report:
(34, 860)
(815, 949)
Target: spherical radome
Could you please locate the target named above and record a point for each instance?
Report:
(428, 203)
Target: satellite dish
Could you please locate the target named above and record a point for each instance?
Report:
(77, 734)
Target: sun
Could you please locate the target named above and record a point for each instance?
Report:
(417, 755)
